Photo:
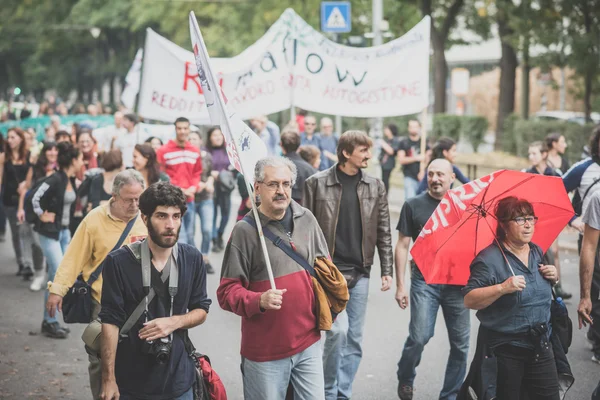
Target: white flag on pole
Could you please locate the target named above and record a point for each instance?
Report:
(244, 147)
(132, 81)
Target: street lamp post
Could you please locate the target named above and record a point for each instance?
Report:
(377, 127)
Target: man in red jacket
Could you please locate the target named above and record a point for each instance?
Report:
(182, 162)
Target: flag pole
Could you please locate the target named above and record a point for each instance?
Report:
(226, 122)
(423, 140)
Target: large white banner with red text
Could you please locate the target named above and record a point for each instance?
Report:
(292, 65)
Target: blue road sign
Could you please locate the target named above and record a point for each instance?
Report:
(335, 16)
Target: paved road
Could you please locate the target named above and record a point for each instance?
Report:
(34, 367)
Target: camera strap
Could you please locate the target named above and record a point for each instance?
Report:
(170, 272)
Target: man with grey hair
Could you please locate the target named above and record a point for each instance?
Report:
(95, 237)
(280, 337)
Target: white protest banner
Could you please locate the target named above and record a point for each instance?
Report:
(132, 81)
(292, 64)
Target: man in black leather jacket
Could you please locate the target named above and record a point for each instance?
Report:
(352, 210)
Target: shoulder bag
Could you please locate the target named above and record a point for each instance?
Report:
(77, 303)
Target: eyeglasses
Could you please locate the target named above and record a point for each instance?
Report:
(310, 123)
(287, 185)
(521, 220)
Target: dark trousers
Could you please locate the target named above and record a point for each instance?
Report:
(222, 205)
(596, 394)
(2, 219)
(594, 330)
(519, 373)
(385, 177)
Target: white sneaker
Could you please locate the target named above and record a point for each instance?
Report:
(39, 281)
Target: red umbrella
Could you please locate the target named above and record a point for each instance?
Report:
(464, 223)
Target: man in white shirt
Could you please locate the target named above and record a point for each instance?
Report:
(105, 136)
(127, 141)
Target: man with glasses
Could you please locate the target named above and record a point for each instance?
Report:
(280, 338)
(310, 136)
(328, 144)
(352, 210)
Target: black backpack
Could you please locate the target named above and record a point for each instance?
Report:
(30, 216)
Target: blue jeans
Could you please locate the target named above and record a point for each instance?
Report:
(189, 395)
(269, 380)
(53, 251)
(343, 344)
(205, 210)
(222, 203)
(186, 234)
(425, 301)
(410, 187)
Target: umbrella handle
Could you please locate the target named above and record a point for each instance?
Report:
(505, 258)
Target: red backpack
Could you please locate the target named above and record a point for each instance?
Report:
(208, 384)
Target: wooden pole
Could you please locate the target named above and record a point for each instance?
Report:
(424, 116)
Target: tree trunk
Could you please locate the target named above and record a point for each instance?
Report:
(440, 71)
(508, 73)
(587, 96)
(525, 68)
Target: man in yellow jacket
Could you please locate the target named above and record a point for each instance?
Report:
(94, 239)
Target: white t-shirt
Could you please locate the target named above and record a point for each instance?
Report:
(591, 214)
(126, 143)
(105, 135)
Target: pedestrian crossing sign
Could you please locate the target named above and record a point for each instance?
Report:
(335, 16)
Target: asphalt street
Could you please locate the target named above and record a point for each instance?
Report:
(35, 367)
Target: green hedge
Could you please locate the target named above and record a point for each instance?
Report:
(518, 133)
(470, 128)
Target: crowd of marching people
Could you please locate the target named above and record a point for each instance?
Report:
(68, 198)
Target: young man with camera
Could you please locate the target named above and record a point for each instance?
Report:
(153, 292)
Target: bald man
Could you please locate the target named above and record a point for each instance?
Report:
(425, 300)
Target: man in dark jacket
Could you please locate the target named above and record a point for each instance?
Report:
(131, 367)
(290, 142)
(352, 210)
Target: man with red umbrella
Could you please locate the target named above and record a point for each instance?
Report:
(425, 300)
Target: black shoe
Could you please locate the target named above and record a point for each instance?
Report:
(220, 243)
(20, 270)
(27, 273)
(54, 330)
(405, 392)
(215, 247)
(561, 293)
(209, 268)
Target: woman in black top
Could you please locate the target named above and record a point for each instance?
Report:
(45, 165)
(387, 158)
(54, 202)
(96, 190)
(14, 167)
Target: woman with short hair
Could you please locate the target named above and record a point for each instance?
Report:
(512, 291)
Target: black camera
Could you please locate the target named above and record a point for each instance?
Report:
(160, 349)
